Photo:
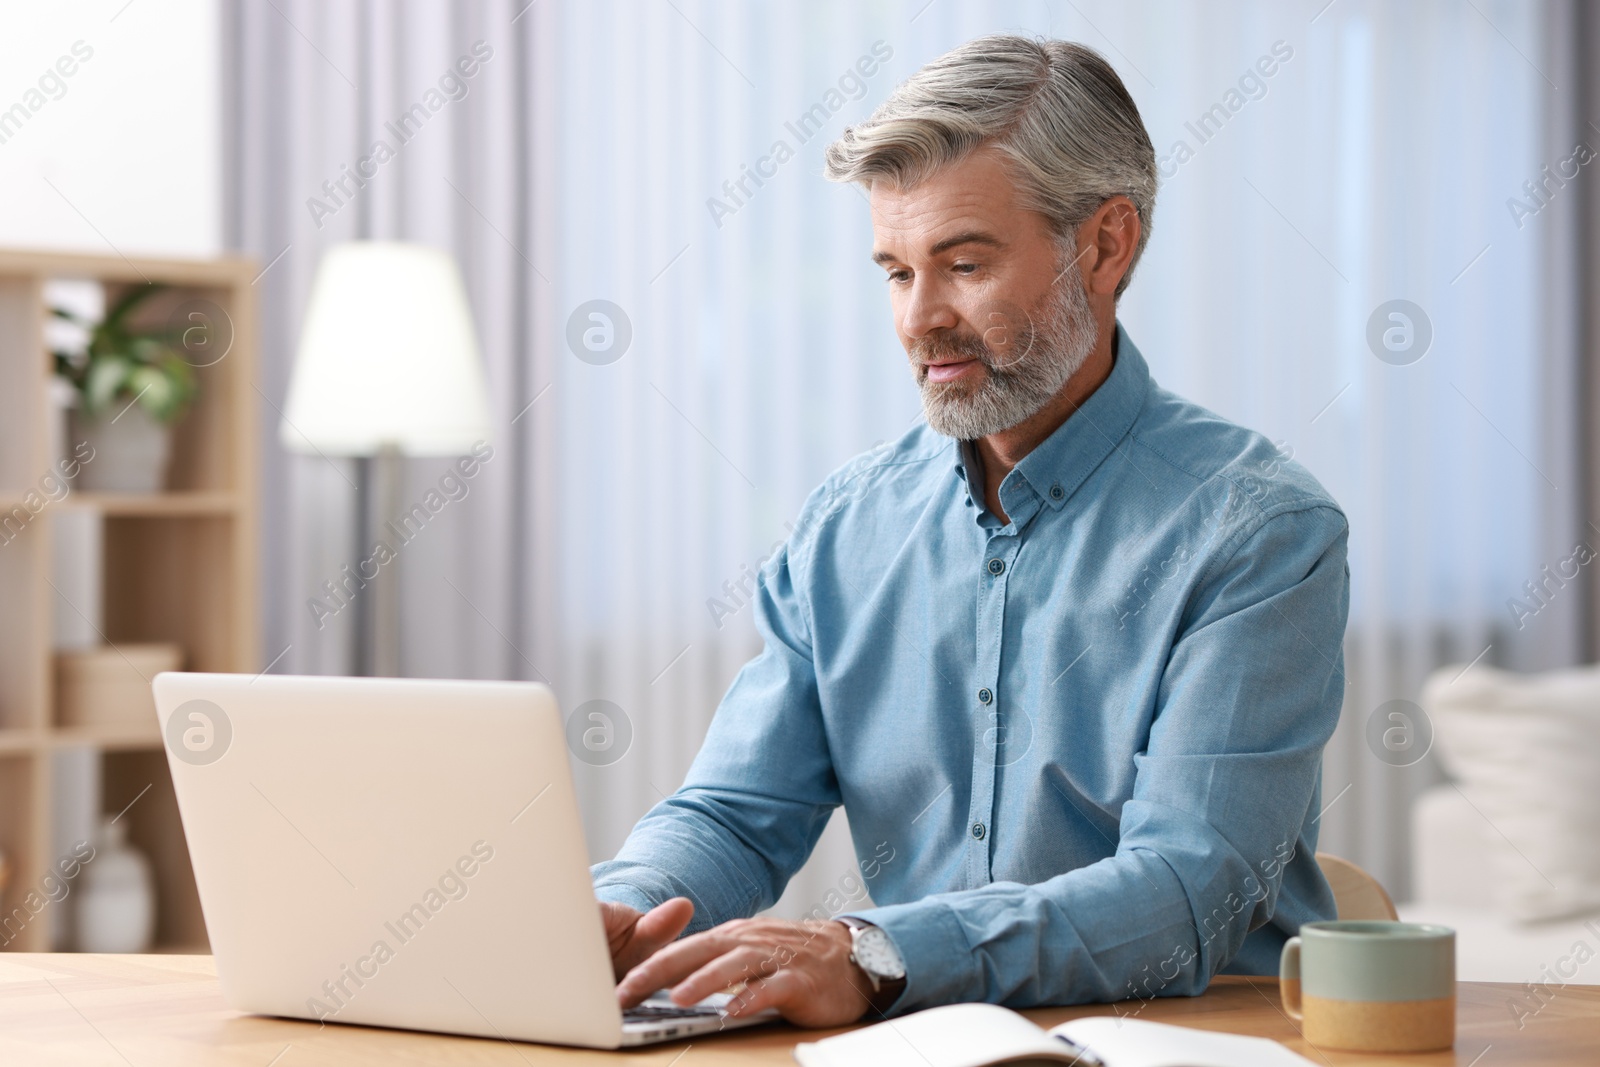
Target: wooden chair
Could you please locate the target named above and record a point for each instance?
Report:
(1356, 893)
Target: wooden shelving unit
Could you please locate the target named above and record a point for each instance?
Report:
(180, 566)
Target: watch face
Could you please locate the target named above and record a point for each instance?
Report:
(876, 954)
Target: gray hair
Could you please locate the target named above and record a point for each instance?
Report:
(1056, 109)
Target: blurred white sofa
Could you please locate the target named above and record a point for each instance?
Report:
(1453, 884)
(1508, 852)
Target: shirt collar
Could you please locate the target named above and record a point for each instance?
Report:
(1064, 460)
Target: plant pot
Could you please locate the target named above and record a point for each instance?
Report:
(131, 451)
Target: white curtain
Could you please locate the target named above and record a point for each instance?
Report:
(604, 152)
(1377, 166)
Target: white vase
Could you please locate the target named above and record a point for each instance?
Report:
(117, 902)
(131, 450)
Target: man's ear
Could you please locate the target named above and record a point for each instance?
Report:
(1106, 243)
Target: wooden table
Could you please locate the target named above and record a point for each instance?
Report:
(166, 1011)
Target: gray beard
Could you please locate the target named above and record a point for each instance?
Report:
(1045, 348)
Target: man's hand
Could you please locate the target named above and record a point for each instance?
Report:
(634, 937)
(801, 968)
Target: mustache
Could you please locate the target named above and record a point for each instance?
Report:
(938, 349)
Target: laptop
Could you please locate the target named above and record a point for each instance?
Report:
(401, 853)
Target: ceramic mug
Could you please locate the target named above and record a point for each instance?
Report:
(1372, 986)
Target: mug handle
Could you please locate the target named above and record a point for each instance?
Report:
(1289, 979)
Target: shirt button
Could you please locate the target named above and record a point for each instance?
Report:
(997, 566)
(984, 696)
(1056, 492)
(977, 830)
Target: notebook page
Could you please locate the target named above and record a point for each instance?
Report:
(1138, 1043)
(958, 1035)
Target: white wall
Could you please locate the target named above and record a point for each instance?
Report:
(130, 140)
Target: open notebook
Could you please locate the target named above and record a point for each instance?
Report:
(977, 1035)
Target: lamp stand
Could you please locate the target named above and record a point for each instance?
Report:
(378, 615)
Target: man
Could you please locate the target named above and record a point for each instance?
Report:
(1068, 654)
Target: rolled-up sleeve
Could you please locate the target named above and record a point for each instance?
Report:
(1220, 812)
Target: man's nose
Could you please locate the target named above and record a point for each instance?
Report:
(925, 310)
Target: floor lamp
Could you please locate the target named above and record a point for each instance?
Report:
(388, 368)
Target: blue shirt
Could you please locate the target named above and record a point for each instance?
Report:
(1080, 751)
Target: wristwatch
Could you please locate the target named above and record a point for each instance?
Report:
(879, 960)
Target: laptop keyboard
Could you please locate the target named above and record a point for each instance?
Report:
(645, 1013)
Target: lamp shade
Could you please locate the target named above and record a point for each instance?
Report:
(388, 357)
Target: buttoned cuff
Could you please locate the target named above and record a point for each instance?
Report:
(934, 949)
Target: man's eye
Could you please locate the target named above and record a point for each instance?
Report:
(899, 276)
(965, 268)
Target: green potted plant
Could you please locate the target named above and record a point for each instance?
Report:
(132, 385)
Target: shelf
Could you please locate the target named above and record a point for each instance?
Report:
(20, 740)
(137, 505)
(225, 270)
(175, 567)
(109, 738)
(159, 505)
